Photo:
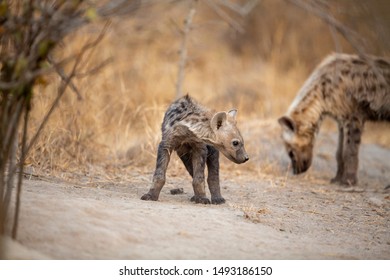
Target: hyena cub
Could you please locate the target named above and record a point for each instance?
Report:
(349, 88)
(197, 134)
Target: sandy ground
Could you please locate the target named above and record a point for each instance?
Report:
(269, 214)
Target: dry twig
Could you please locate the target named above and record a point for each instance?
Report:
(183, 48)
(316, 8)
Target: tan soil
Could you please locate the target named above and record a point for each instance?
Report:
(269, 214)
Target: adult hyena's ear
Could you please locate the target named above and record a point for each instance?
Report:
(287, 123)
(218, 120)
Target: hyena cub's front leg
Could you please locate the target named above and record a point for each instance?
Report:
(163, 157)
(352, 132)
(213, 175)
(199, 156)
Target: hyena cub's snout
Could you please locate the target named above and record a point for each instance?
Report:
(242, 156)
(236, 152)
(228, 138)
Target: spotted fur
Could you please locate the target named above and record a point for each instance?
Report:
(352, 90)
(197, 134)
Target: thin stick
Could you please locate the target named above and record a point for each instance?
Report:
(225, 16)
(65, 84)
(242, 10)
(20, 177)
(60, 71)
(183, 49)
(347, 33)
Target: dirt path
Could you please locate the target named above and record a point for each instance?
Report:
(268, 214)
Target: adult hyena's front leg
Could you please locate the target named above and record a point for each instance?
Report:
(198, 181)
(213, 175)
(339, 155)
(352, 137)
(163, 156)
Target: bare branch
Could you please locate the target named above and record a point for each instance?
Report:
(30, 30)
(119, 7)
(336, 40)
(60, 71)
(65, 84)
(183, 48)
(242, 10)
(220, 12)
(94, 70)
(20, 178)
(315, 9)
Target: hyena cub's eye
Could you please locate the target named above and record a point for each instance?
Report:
(235, 143)
(291, 154)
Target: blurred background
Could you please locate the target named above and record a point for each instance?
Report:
(254, 61)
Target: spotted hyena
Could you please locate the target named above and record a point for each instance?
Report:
(197, 134)
(349, 88)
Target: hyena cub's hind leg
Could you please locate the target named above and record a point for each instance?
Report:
(194, 159)
(348, 152)
(199, 156)
(163, 157)
(212, 162)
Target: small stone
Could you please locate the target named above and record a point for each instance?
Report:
(375, 201)
(177, 191)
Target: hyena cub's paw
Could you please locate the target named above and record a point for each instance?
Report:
(149, 196)
(217, 200)
(200, 199)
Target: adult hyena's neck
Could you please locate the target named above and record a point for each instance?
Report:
(308, 108)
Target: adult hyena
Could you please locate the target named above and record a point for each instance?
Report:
(197, 134)
(351, 89)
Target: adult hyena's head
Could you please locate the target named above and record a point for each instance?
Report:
(227, 138)
(299, 144)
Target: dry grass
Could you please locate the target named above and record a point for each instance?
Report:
(252, 213)
(117, 123)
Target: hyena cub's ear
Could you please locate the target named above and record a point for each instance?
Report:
(232, 115)
(287, 123)
(218, 120)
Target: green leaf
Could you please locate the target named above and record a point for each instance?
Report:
(91, 14)
(3, 9)
(21, 64)
(43, 48)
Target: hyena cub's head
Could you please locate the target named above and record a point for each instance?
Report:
(299, 144)
(228, 139)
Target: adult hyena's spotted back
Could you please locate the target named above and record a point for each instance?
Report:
(342, 84)
(372, 92)
(350, 82)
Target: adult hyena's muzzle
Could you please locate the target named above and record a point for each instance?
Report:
(300, 165)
